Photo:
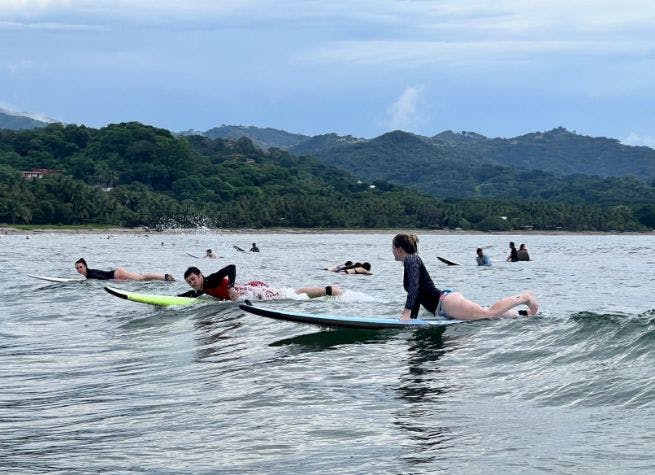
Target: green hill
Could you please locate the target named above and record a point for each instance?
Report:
(131, 174)
(15, 121)
(264, 138)
(469, 165)
(557, 151)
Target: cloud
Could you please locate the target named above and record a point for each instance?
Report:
(405, 113)
(636, 139)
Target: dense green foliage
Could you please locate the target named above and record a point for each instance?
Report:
(557, 151)
(445, 170)
(130, 174)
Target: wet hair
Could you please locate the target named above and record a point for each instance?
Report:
(479, 249)
(209, 251)
(522, 246)
(348, 263)
(511, 244)
(191, 270)
(81, 261)
(366, 266)
(408, 242)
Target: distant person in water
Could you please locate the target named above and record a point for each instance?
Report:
(446, 303)
(338, 267)
(254, 248)
(222, 285)
(357, 268)
(513, 253)
(522, 253)
(351, 268)
(119, 273)
(210, 255)
(481, 258)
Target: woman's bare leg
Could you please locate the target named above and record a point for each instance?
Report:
(456, 306)
(313, 292)
(124, 274)
(504, 305)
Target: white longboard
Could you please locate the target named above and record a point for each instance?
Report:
(56, 279)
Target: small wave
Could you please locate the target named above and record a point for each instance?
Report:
(593, 319)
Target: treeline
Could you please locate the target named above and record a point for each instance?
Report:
(135, 175)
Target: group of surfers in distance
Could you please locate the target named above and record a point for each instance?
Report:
(209, 254)
(515, 255)
(421, 290)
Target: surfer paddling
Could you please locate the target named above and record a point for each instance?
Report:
(350, 268)
(446, 303)
(118, 274)
(222, 285)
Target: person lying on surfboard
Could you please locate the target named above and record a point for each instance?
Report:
(356, 268)
(222, 285)
(118, 274)
(210, 254)
(349, 268)
(446, 303)
(338, 267)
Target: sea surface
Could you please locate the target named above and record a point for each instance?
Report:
(90, 383)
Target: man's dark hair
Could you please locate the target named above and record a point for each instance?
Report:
(191, 270)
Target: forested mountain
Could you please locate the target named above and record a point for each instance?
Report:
(320, 144)
(264, 138)
(446, 171)
(558, 152)
(131, 174)
(15, 121)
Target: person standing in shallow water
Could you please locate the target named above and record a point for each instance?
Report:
(513, 253)
(254, 248)
(422, 291)
(522, 253)
(481, 258)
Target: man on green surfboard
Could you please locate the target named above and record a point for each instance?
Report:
(221, 285)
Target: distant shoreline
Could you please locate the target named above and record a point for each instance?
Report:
(11, 230)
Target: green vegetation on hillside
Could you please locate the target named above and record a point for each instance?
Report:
(453, 168)
(131, 175)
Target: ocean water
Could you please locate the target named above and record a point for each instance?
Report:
(91, 383)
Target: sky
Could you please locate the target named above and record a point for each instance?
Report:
(501, 68)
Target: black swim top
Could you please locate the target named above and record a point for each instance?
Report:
(419, 286)
(99, 274)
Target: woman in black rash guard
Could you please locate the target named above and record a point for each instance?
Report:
(119, 273)
(422, 291)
